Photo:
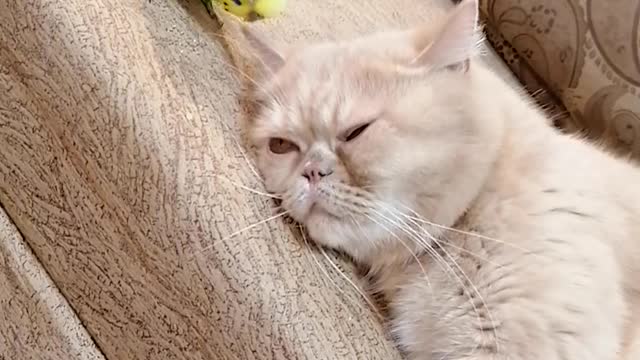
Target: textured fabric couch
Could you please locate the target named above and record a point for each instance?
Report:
(119, 239)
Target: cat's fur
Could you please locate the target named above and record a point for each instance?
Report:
(555, 272)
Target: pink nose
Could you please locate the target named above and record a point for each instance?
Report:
(315, 173)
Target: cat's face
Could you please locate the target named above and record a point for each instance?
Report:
(353, 138)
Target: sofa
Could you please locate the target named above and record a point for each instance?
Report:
(128, 227)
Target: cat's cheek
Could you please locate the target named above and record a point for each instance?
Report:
(297, 200)
(277, 172)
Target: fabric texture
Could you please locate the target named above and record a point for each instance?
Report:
(36, 321)
(584, 54)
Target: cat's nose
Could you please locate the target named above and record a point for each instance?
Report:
(314, 173)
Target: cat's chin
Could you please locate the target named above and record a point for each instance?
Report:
(310, 210)
(321, 224)
(321, 227)
(317, 214)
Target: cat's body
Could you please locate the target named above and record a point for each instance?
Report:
(567, 284)
(492, 235)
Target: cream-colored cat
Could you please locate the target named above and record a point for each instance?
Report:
(493, 235)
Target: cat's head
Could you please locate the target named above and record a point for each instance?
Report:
(357, 135)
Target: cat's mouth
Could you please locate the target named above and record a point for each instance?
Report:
(313, 203)
(302, 208)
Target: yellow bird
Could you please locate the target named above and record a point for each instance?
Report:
(261, 8)
(268, 8)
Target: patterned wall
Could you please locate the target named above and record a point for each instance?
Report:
(585, 53)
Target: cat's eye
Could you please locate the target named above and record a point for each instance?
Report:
(282, 146)
(355, 132)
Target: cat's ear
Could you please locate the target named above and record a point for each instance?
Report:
(454, 43)
(269, 58)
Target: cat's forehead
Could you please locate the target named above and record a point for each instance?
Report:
(317, 63)
(310, 110)
(319, 72)
(324, 89)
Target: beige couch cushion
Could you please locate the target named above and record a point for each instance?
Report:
(585, 53)
(116, 118)
(35, 319)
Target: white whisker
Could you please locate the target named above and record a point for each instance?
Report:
(248, 188)
(324, 271)
(443, 242)
(462, 232)
(482, 300)
(235, 43)
(353, 284)
(413, 254)
(242, 152)
(254, 225)
(238, 232)
(472, 285)
(408, 230)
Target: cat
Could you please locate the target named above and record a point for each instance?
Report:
(492, 234)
